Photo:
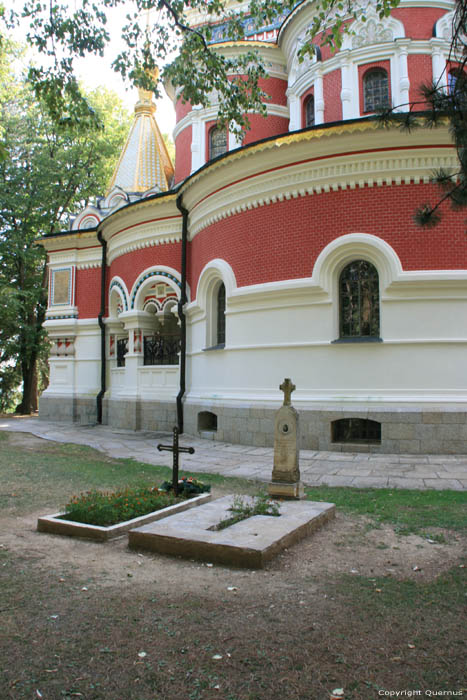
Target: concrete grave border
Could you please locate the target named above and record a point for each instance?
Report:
(53, 524)
(250, 543)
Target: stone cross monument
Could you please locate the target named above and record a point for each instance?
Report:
(286, 473)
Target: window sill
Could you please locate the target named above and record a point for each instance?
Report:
(357, 339)
(220, 346)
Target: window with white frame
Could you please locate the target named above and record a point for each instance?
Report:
(310, 111)
(375, 90)
(217, 142)
(359, 315)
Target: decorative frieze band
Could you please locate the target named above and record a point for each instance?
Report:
(62, 347)
(137, 237)
(297, 181)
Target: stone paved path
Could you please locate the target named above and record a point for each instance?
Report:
(331, 468)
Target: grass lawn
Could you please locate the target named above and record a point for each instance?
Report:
(86, 620)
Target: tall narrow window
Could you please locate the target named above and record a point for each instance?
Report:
(310, 111)
(221, 315)
(457, 84)
(217, 142)
(375, 90)
(359, 300)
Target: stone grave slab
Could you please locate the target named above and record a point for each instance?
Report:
(249, 543)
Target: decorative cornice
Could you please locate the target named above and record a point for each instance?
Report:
(78, 240)
(144, 236)
(210, 113)
(309, 176)
(88, 265)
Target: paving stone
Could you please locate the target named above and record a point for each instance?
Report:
(372, 470)
(350, 472)
(336, 480)
(440, 484)
(370, 482)
(405, 483)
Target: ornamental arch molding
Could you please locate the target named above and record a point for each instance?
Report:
(151, 276)
(373, 31)
(118, 297)
(444, 27)
(215, 271)
(356, 246)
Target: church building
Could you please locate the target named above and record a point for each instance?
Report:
(189, 292)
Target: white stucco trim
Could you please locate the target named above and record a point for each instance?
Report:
(156, 273)
(216, 269)
(118, 286)
(355, 246)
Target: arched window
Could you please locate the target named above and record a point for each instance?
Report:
(217, 142)
(457, 84)
(359, 300)
(310, 111)
(220, 335)
(375, 90)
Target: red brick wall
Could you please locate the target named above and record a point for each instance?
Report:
(420, 71)
(332, 85)
(418, 21)
(131, 265)
(261, 127)
(181, 110)
(183, 154)
(275, 88)
(282, 241)
(361, 73)
(88, 292)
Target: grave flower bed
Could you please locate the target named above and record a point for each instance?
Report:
(103, 508)
(102, 515)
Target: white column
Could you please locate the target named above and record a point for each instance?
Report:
(234, 140)
(197, 142)
(401, 96)
(295, 121)
(438, 62)
(319, 96)
(346, 91)
(134, 322)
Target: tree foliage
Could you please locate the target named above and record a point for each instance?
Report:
(48, 170)
(177, 37)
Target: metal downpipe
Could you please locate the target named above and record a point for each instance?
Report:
(181, 314)
(100, 319)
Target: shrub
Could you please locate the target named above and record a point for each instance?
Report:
(187, 487)
(105, 508)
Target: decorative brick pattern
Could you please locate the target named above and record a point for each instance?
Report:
(284, 239)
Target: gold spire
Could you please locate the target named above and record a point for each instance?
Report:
(144, 161)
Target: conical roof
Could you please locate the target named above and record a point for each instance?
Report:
(144, 162)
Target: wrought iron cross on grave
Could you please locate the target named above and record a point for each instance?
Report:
(176, 449)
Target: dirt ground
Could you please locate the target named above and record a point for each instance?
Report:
(292, 630)
(348, 544)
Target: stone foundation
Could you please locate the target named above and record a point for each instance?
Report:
(80, 410)
(140, 415)
(407, 430)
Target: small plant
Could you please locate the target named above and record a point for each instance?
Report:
(106, 508)
(187, 486)
(243, 509)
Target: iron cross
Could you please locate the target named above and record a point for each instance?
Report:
(287, 387)
(176, 449)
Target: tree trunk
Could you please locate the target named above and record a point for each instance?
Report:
(29, 399)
